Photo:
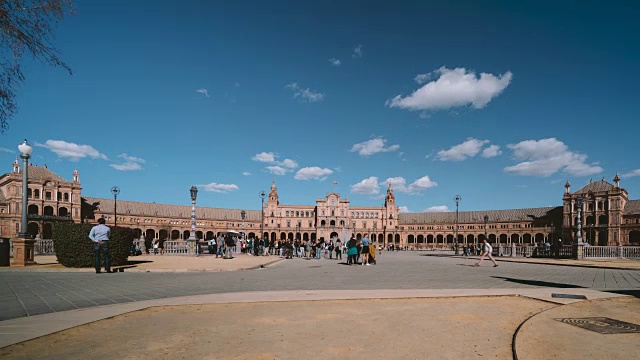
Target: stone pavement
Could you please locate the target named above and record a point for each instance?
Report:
(619, 264)
(29, 293)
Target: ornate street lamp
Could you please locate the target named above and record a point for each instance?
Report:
(242, 215)
(255, 247)
(115, 191)
(486, 220)
(579, 202)
(192, 236)
(25, 152)
(457, 199)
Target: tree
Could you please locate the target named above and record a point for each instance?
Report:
(26, 26)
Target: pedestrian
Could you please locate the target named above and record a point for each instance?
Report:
(487, 249)
(220, 246)
(99, 234)
(338, 249)
(365, 250)
(161, 245)
(307, 249)
(352, 251)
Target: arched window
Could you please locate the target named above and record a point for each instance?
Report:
(297, 213)
(29, 194)
(333, 213)
(66, 196)
(36, 194)
(287, 213)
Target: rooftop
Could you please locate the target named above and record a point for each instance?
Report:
(478, 216)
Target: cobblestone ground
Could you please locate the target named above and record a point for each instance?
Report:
(28, 293)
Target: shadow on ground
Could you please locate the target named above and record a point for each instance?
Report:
(538, 283)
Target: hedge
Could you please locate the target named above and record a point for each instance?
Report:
(74, 249)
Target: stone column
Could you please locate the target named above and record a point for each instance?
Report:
(23, 252)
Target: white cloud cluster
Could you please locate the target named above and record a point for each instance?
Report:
(219, 188)
(6, 150)
(403, 209)
(313, 172)
(307, 95)
(246, 173)
(632, 173)
(357, 51)
(203, 92)
(335, 62)
(72, 151)
(130, 163)
(453, 88)
(437, 208)
(276, 167)
(548, 156)
(371, 186)
(373, 146)
(468, 149)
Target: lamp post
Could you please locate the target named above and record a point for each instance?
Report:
(25, 152)
(115, 191)
(297, 231)
(192, 236)
(457, 199)
(486, 220)
(242, 215)
(256, 248)
(579, 203)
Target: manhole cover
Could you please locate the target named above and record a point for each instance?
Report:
(603, 325)
(569, 296)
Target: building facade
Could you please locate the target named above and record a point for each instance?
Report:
(608, 217)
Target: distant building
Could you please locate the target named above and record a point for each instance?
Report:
(609, 217)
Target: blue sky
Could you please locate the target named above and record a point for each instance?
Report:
(498, 102)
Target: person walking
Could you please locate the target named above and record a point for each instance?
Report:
(487, 249)
(365, 250)
(338, 249)
(220, 246)
(99, 234)
(352, 251)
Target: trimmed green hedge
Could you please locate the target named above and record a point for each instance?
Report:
(74, 249)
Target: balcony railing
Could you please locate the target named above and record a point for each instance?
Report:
(41, 247)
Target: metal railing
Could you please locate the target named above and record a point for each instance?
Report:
(40, 247)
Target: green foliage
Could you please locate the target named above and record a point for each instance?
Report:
(74, 249)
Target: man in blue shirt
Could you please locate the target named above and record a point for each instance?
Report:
(99, 234)
(365, 250)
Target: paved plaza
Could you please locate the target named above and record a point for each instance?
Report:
(29, 293)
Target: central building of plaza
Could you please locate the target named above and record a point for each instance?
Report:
(608, 216)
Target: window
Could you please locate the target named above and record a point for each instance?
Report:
(36, 194)
(288, 223)
(29, 194)
(47, 195)
(59, 196)
(66, 196)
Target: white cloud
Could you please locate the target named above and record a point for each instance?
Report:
(335, 62)
(288, 163)
(219, 188)
(357, 51)
(267, 157)
(72, 151)
(453, 88)
(276, 170)
(632, 173)
(312, 172)
(246, 173)
(469, 148)
(491, 151)
(399, 184)
(130, 163)
(367, 186)
(546, 157)
(203, 92)
(422, 78)
(403, 209)
(307, 95)
(7, 150)
(438, 208)
(373, 146)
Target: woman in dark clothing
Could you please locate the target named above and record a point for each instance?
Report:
(352, 251)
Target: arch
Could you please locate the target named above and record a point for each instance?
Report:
(410, 239)
(390, 238)
(33, 229)
(439, 239)
(515, 238)
(420, 239)
(358, 236)
(481, 238)
(397, 240)
(290, 236)
(32, 209)
(305, 236)
(603, 220)
(63, 211)
(199, 235)
(342, 223)
(539, 238)
(526, 238)
(175, 234)
(48, 210)
(634, 237)
(163, 234)
(504, 239)
(323, 223)
(47, 231)
(209, 235)
(603, 238)
(283, 236)
(470, 239)
(297, 213)
(185, 234)
(450, 239)
(274, 236)
(150, 234)
(333, 235)
(590, 220)
(492, 238)
(429, 239)
(332, 223)
(265, 235)
(313, 236)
